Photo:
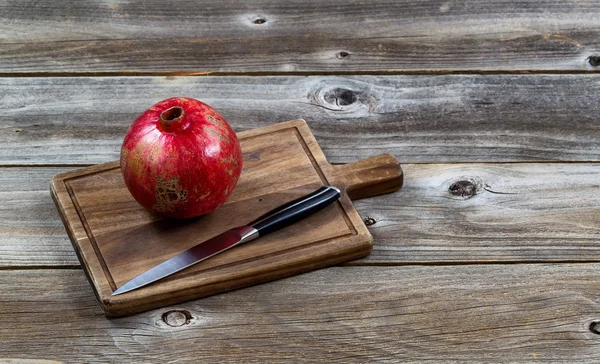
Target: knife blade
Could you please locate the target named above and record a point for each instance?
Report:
(274, 220)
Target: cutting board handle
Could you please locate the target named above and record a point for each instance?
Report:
(373, 176)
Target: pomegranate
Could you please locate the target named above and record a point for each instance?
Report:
(180, 158)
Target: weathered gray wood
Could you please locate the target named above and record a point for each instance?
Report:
(520, 212)
(31, 233)
(417, 118)
(478, 313)
(296, 36)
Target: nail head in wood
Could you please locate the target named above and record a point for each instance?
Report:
(369, 221)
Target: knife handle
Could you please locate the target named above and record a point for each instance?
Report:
(296, 210)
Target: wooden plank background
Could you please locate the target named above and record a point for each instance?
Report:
(491, 106)
(455, 118)
(478, 313)
(514, 212)
(308, 36)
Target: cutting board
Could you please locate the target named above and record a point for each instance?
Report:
(116, 239)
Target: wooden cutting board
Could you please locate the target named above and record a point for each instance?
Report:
(116, 238)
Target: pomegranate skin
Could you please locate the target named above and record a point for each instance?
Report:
(180, 158)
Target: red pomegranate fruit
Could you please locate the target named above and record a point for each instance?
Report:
(180, 158)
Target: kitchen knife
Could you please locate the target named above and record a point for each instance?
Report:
(274, 220)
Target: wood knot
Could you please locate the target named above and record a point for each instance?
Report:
(260, 21)
(595, 327)
(463, 188)
(177, 318)
(342, 55)
(369, 221)
(340, 97)
(345, 96)
(594, 61)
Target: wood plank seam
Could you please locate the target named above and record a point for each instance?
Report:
(399, 72)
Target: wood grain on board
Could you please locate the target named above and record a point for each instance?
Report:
(519, 212)
(116, 239)
(416, 118)
(124, 36)
(451, 314)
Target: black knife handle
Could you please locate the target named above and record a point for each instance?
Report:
(296, 210)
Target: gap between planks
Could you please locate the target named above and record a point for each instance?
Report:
(295, 73)
(42, 267)
(353, 264)
(76, 165)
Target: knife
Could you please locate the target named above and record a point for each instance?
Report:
(274, 220)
